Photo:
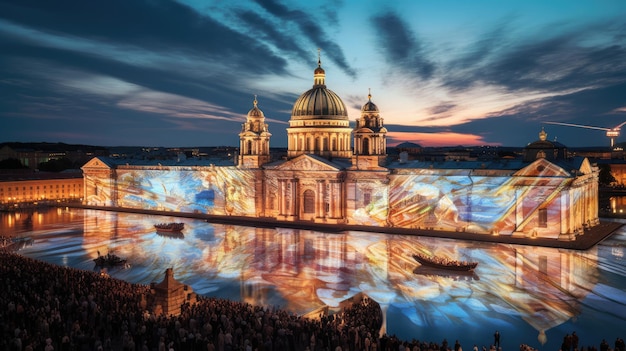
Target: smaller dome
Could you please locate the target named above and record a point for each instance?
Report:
(255, 112)
(319, 70)
(369, 105)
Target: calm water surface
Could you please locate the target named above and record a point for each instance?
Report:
(530, 294)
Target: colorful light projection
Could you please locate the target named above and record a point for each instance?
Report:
(529, 288)
(303, 270)
(539, 200)
(211, 190)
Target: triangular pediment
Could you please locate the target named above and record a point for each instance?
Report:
(542, 168)
(308, 163)
(585, 167)
(97, 163)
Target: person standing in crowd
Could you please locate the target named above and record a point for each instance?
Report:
(575, 341)
(496, 339)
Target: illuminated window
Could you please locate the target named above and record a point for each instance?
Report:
(543, 217)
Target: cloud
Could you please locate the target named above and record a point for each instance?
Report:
(436, 139)
(262, 28)
(154, 26)
(310, 28)
(442, 108)
(554, 61)
(401, 47)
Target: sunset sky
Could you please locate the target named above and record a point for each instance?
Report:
(185, 73)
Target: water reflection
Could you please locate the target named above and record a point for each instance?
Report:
(530, 294)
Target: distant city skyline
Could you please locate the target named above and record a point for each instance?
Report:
(184, 73)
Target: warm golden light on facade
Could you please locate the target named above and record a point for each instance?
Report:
(323, 179)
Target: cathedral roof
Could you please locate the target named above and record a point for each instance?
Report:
(369, 105)
(255, 112)
(319, 102)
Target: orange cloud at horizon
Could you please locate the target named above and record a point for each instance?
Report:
(436, 139)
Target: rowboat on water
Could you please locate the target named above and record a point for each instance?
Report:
(109, 260)
(444, 263)
(169, 227)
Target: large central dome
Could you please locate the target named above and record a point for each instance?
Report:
(319, 122)
(319, 102)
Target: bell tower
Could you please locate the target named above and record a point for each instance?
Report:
(254, 139)
(370, 143)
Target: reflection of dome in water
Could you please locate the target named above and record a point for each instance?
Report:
(542, 338)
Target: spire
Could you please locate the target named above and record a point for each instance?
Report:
(319, 57)
(319, 76)
(255, 102)
(543, 135)
(369, 94)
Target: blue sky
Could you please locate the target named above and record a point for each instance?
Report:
(184, 73)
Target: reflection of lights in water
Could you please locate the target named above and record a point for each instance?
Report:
(542, 338)
(303, 270)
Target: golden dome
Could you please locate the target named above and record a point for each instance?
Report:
(255, 112)
(369, 105)
(319, 102)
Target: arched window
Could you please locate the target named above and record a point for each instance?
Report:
(309, 201)
(249, 148)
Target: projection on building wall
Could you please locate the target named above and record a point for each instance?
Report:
(220, 190)
(540, 199)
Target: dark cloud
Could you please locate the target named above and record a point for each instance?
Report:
(592, 107)
(160, 26)
(442, 108)
(551, 62)
(310, 29)
(260, 26)
(400, 46)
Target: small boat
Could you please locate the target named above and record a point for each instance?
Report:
(109, 260)
(169, 227)
(442, 263)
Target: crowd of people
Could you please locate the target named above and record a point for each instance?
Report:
(48, 307)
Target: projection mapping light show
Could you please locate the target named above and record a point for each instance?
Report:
(531, 294)
(479, 201)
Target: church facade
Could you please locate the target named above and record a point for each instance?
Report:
(338, 174)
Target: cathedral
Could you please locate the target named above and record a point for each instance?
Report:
(337, 174)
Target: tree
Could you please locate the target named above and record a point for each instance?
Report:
(11, 163)
(606, 177)
(56, 165)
